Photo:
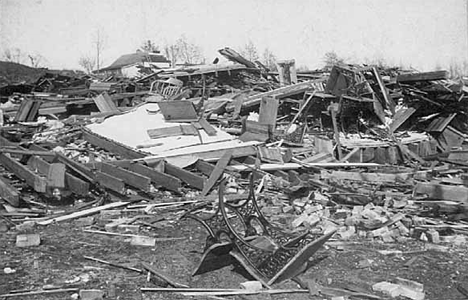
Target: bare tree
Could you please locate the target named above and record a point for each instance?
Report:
(99, 42)
(184, 51)
(13, 55)
(269, 59)
(36, 60)
(249, 51)
(87, 63)
(331, 59)
(149, 46)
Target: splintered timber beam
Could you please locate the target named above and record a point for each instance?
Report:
(37, 182)
(111, 146)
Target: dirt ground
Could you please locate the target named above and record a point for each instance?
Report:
(356, 264)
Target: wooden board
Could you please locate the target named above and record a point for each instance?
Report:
(83, 213)
(268, 111)
(217, 172)
(159, 178)
(400, 117)
(189, 178)
(371, 177)
(131, 178)
(423, 76)
(56, 175)
(105, 103)
(38, 183)
(210, 130)
(442, 192)
(110, 182)
(183, 129)
(204, 167)
(9, 193)
(178, 111)
(111, 146)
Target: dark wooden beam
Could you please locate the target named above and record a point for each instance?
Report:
(131, 178)
(189, 178)
(111, 146)
(72, 183)
(217, 172)
(9, 193)
(160, 179)
(35, 181)
(435, 75)
(110, 182)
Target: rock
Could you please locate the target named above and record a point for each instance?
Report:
(388, 288)
(143, 241)
(26, 226)
(8, 270)
(28, 240)
(91, 294)
(433, 236)
(401, 289)
(252, 285)
(83, 222)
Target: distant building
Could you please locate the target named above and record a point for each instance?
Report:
(129, 65)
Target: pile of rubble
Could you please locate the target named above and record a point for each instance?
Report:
(354, 153)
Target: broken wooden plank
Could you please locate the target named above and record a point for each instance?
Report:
(72, 183)
(178, 111)
(113, 264)
(268, 111)
(210, 130)
(166, 278)
(105, 103)
(423, 76)
(400, 117)
(38, 183)
(254, 131)
(131, 178)
(83, 213)
(56, 175)
(442, 192)
(159, 178)
(293, 166)
(110, 182)
(217, 172)
(383, 88)
(279, 93)
(111, 146)
(80, 169)
(9, 193)
(371, 177)
(204, 167)
(183, 129)
(189, 178)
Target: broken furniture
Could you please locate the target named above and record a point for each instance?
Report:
(268, 253)
(166, 88)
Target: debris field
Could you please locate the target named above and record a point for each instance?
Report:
(230, 181)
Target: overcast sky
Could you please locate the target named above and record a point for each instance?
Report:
(418, 33)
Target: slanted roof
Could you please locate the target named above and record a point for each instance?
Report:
(134, 58)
